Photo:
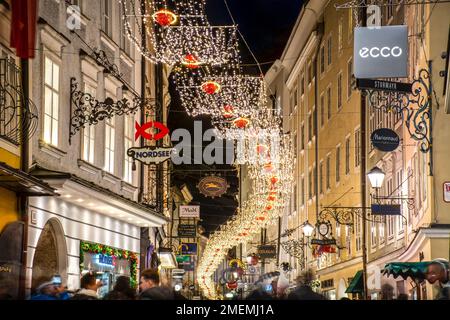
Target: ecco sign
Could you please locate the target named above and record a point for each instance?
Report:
(381, 52)
(384, 52)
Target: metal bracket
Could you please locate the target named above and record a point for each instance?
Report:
(85, 109)
(415, 108)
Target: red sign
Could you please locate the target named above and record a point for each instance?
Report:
(142, 130)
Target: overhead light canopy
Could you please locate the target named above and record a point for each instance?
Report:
(376, 177)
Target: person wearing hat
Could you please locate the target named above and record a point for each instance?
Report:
(50, 290)
(438, 271)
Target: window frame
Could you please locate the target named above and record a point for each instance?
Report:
(54, 61)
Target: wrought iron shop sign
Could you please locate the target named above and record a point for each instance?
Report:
(386, 209)
(324, 242)
(267, 251)
(381, 52)
(213, 186)
(150, 155)
(385, 139)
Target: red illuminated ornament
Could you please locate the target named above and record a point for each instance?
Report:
(271, 198)
(254, 260)
(191, 61)
(228, 112)
(232, 285)
(269, 207)
(269, 167)
(261, 218)
(211, 87)
(261, 148)
(274, 180)
(241, 123)
(164, 18)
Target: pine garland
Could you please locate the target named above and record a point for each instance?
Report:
(132, 257)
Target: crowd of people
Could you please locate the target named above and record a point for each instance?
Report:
(151, 288)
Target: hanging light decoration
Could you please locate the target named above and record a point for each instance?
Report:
(164, 17)
(191, 61)
(175, 29)
(210, 87)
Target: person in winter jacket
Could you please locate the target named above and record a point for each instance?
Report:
(89, 286)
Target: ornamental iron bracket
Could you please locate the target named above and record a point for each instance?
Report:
(86, 110)
(414, 107)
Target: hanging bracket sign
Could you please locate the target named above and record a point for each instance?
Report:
(150, 155)
(385, 139)
(382, 85)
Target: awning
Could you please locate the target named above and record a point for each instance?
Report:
(357, 285)
(415, 270)
(23, 183)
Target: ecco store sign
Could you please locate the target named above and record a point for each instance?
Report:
(384, 52)
(381, 52)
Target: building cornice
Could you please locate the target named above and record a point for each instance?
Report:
(340, 266)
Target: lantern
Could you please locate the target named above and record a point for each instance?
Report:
(241, 123)
(274, 180)
(228, 112)
(269, 167)
(164, 18)
(190, 61)
(232, 285)
(210, 87)
(261, 148)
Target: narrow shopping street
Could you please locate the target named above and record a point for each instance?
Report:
(224, 150)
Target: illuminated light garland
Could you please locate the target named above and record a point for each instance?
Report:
(169, 43)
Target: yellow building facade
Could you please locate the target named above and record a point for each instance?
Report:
(321, 110)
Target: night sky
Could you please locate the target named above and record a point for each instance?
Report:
(266, 26)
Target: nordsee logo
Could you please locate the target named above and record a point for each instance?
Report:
(384, 52)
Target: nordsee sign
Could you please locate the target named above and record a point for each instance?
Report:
(149, 155)
(381, 52)
(385, 139)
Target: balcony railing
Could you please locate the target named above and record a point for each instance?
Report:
(18, 116)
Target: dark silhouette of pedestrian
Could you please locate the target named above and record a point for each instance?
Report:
(122, 290)
(304, 289)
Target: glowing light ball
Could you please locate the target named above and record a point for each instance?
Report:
(191, 61)
(210, 87)
(241, 123)
(164, 18)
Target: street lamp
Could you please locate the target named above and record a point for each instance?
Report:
(376, 177)
(307, 229)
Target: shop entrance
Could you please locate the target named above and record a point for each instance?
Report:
(50, 257)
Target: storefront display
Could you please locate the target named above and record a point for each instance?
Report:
(109, 263)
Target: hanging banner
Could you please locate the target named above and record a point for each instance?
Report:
(189, 211)
(381, 52)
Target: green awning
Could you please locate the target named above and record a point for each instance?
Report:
(415, 270)
(357, 285)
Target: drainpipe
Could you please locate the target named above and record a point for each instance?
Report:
(363, 14)
(320, 30)
(24, 166)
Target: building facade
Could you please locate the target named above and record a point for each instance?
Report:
(97, 219)
(314, 82)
